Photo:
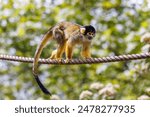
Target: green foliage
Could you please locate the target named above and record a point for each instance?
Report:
(119, 26)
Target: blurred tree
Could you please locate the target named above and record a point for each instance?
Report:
(119, 25)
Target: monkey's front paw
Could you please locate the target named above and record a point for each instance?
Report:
(67, 60)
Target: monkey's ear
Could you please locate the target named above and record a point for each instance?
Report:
(82, 30)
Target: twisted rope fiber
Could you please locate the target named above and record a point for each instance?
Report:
(78, 61)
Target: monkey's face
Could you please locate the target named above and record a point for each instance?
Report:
(89, 32)
(90, 35)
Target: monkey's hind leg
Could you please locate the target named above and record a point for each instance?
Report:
(69, 51)
(57, 54)
(60, 50)
(53, 55)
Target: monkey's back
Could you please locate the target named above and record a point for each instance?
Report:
(69, 28)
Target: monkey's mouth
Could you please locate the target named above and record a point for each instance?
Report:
(90, 37)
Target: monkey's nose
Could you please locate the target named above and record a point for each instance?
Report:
(90, 37)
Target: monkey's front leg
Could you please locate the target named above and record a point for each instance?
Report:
(85, 53)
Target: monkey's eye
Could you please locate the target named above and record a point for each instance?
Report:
(90, 33)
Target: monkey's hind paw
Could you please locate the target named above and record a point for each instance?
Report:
(60, 60)
(87, 57)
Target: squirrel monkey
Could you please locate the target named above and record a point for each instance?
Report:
(67, 35)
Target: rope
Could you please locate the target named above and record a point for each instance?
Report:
(78, 61)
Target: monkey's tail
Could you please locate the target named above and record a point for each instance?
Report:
(39, 49)
(42, 87)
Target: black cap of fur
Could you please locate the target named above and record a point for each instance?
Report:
(89, 28)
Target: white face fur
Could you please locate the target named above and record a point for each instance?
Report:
(82, 30)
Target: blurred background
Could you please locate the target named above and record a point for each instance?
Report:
(119, 24)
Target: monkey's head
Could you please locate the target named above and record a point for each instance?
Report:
(89, 31)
